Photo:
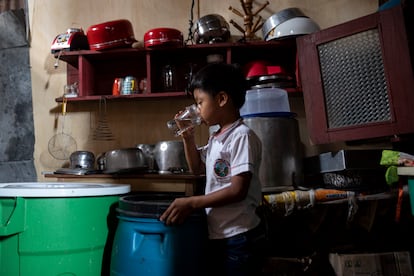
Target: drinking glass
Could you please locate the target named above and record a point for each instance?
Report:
(185, 120)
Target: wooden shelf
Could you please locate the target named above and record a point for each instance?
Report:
(138, 176)
(188, 184)
(141, 96)
(94, 71)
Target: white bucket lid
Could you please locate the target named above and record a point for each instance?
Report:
(61, 189)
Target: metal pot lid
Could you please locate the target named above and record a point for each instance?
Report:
(273, 85)
(75, 171)
(275, 77)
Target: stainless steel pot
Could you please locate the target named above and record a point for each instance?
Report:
(211, 28)
(170, 157)
(148, 150)
(282, 153)
(82, 160)
(124, 161)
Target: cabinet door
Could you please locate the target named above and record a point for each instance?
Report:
(357, 79)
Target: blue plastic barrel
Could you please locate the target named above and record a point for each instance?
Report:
(143, 245)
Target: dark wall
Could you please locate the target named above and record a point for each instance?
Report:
(16, 111)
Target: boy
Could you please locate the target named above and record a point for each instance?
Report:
(231, 162)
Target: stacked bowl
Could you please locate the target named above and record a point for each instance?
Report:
(287, 23)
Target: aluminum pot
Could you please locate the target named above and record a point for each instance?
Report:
(281, 168)
(170, 157)
(211, 28)
(125, 160)
(148, 150)
(82, 160)
(111, 34)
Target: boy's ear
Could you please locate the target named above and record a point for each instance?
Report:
(222, 98)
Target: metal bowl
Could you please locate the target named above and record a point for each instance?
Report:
(293, 27)
(279, 18)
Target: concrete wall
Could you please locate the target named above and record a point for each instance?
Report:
(16, 113)
(135, 122)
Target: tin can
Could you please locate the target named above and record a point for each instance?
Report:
(129, 86)
(117, 86)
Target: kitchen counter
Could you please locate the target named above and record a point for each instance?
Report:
(151, 182)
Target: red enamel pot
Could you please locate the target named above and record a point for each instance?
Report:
(111, 34)
(160, 37)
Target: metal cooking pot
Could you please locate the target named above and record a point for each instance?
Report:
(163, 37)
(170, 157)
(211, 28)
(111, 34)
(148, 150)
(82, 160)
(124, 161)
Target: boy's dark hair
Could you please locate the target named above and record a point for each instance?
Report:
(216, 77)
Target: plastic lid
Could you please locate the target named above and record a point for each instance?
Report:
(60, 189)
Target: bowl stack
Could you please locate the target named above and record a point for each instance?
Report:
(286, 23)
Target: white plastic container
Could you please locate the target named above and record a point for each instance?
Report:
(265, 100)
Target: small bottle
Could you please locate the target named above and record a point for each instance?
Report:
(168, 74)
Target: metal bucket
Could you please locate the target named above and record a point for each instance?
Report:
(282, 153)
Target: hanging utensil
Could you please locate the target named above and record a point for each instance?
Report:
(102, 131)
(61, 145)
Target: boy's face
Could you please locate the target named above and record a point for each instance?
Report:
(208, 106)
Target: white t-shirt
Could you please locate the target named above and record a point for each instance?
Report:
(234, 151)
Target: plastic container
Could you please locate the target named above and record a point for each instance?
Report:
(408, 172)
(143, 245)
(57, 228)
(265, 100)
(411, 193)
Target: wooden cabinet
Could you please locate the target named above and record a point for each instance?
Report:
(95, 71)
(357, 78)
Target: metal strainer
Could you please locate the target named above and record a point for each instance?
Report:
(61, 145)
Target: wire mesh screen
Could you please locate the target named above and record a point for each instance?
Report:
(354, 80)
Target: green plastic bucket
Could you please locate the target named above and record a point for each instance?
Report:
(57, 228)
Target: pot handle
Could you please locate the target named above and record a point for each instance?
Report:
(16, 221)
